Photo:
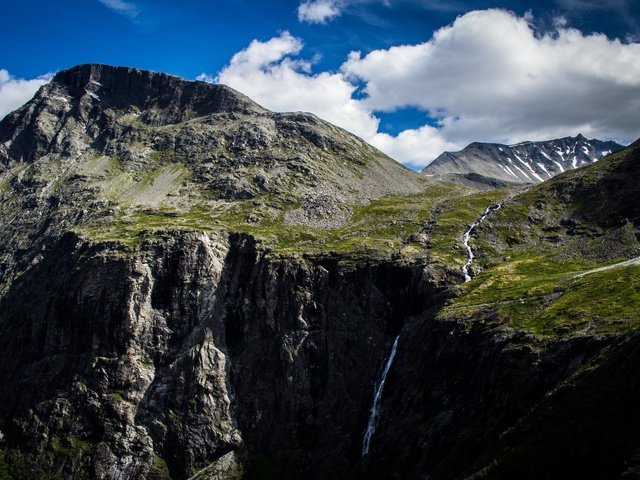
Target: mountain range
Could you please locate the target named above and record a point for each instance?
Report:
(192, 286)
(523, 163)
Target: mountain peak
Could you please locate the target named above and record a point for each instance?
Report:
(124, 87)
(525, 162)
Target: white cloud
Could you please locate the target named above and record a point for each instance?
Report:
(488, 77)
(414, 147)
(205, 77)
(268, 73)
(319, 11)
(16, 91)
(123, 8)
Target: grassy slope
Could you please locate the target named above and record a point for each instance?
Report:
(534, 246)
(383, 225)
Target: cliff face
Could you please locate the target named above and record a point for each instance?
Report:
(193, 348)
(201, 351)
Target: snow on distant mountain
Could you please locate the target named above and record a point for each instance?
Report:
(527, 162)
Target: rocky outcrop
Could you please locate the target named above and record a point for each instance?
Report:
(116, 128)
(113, 372)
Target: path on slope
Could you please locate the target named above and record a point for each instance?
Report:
(626, 263)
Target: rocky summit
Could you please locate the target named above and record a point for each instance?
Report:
(524, 163)
(192, 286)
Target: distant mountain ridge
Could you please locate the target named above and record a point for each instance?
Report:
(527, 162)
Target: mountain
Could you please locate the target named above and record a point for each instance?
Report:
(527, 162)
(177, 267)
(107, 125)
(192, 286)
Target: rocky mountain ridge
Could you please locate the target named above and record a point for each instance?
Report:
(523, 163)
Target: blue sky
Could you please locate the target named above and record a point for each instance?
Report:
(413, 77)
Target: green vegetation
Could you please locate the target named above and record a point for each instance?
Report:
(531, 255)
(160, 465)
(382, 226)
(457, 214)
(69, 445)
(119, 395)
(538, 244)
(542, 295)
(64, 453)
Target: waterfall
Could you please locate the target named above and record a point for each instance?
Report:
(467, 235)
(374, 412)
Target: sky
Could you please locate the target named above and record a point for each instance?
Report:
(412, 77)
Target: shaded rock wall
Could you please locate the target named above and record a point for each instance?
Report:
(133, 365)
(198, 351)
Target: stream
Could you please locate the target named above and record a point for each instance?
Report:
(467, 235)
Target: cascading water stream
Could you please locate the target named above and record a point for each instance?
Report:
(467, 235)
(374, 412)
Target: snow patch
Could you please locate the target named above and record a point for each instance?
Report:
(533, 172)
(559, 166)
(544, 169)
(508, 171)
(545, 155)
(522, 172)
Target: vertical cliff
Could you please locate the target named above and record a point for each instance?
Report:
(122, 364)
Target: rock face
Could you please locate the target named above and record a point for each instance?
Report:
(528, 162)
(121, 367)
(149, 330)
(128, 360)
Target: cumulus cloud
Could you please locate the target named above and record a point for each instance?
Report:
(414, 147)
(489, 77)
(123, 8)
(16, 91)
(319, 11)
(271, 73)
(486, 77)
